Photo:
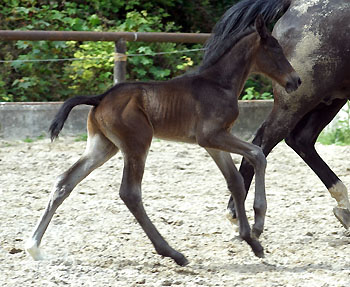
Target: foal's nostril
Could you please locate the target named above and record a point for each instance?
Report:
(299, 82)
(289, 87)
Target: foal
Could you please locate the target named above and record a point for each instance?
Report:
(198, 108)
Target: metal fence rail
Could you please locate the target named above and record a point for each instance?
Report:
(119, 38)
(34, 35)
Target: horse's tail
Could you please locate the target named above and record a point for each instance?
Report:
(62, 115)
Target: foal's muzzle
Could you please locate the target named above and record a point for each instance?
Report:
(293, 83)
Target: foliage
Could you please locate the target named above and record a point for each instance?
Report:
(58, 80)
(340, 135)
(257, 88)
(149, 67)
(252, 94)
(51, 81)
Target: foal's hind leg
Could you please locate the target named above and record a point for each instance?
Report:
(99, 149)
(135, 145)
(130, 193)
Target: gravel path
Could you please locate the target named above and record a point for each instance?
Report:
(94, 241)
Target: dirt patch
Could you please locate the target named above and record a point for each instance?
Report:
(94, 241)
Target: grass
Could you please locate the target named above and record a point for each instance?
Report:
(30, 140)
(81, 138)
(341, 134)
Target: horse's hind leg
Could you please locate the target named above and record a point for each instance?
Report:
(302, 140)
(99, 149)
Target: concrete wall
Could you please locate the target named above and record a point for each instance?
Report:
(251, 116)
(21, 120)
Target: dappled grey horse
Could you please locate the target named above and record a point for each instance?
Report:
(315, 36)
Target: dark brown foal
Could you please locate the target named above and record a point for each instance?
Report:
(197, 108)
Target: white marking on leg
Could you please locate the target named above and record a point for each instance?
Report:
(340, 193)
(33, 250)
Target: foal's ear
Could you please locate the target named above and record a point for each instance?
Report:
(261, 27)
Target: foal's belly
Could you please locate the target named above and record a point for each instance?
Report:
(176, 130)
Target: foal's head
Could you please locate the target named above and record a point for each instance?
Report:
(271, 61)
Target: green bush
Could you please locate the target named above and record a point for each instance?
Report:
(257, 88)
(52, 81)
(58, 80)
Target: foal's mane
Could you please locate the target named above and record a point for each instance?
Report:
(234, 25)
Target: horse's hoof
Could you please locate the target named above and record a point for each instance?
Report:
(33, 250)
(343, 215)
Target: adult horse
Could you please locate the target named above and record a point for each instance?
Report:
(199, 108)
(315, 36)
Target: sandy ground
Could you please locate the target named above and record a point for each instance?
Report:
(94, 241)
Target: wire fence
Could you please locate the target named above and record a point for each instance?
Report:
(102, 58)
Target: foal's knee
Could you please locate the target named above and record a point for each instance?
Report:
(258, 158)
(260, 207)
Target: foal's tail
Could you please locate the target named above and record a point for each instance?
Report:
(62, 115)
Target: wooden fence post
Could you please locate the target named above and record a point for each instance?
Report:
(120, 61)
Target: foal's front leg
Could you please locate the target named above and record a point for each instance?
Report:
(223, 141)
(233, 179)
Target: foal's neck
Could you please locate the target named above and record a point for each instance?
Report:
(233, 69)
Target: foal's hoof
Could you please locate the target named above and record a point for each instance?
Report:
(33, 250)
(257, 249)
(180, 260)
(343, 215)
(259, 253)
